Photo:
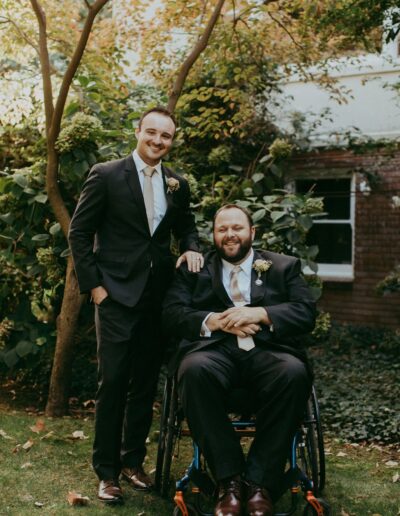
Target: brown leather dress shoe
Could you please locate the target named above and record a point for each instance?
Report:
(110, 492)
(229, 499)
(259, 502)
(137, 478)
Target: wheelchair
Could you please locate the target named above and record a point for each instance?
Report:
(305, 472)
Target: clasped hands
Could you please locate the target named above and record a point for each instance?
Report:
(241, 321)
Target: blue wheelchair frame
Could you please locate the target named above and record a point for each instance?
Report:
(306, 472)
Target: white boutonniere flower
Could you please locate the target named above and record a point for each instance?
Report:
(261, 266)
(173, 185)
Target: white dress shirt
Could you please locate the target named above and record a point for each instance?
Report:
(244, 283)
(160, 200)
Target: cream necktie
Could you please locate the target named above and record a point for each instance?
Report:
(245, 343)
(148, 195)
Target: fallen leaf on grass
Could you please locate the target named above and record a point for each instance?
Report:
(38, 427)
(39, 504)
(4, 435)
(26, 465)
(344, 513)
(77, 499)
(341, 454)
(28, 445)
(395, 477)
(391, 464)
(46, 436)
(17, 448)
(78, 434)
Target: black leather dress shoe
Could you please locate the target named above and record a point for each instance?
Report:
(229, 498)
(110, 492)
(137, 478)
(259, 501)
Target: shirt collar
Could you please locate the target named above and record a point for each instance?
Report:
(140, 164)
(245, 266)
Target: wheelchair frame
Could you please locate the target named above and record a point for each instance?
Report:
(306, 471)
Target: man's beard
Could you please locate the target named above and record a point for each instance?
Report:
(244, 248)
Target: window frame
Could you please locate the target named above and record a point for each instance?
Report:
(337, 272)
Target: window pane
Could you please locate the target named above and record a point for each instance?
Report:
(336, 193)
(334, 242)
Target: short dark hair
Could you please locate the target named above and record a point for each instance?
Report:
(158, 109)
(230, 207)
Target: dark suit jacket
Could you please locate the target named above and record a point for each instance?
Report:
(109, 235)
(284, 294)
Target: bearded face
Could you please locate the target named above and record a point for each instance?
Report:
(233, 235)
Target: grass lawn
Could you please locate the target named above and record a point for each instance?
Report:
(38, 479)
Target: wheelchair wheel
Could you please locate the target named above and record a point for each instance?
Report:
(309, 510)
(168, 432)
(190, 510)
(315, 422)
(311, 450)
(163, 431)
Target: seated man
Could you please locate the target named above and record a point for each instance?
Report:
(241, 319)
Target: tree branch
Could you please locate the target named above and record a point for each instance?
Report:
(44, 63)
(192, 57)
(282, 26)
(73, 66)
(21, 33)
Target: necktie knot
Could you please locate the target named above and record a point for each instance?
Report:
(148, 171)
(236, 269)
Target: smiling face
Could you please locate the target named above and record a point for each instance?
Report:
(154, 137)
(233, 235)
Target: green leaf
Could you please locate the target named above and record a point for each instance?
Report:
(30, 191)
(276, 215)
(11, 358)
(313, 266)
(258, 176)
(20, 180)
(8, 218)
(40, 341)
(265, 158)
(236, 168)
(277, 171)
(65, 253)
(293, 236)
(312, 251)
(41, 237)
(23, 348)
(79, 154)
(81, 167)
(41, 198)
(55, 228)
(6, 238)
(259, 214)
(305, 221)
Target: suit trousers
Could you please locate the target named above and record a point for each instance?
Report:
(279, 385)
(129, 357)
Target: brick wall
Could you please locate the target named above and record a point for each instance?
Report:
(377, 238)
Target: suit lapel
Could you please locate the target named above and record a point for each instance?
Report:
(132, 178)
(215, 269)
(257, 292)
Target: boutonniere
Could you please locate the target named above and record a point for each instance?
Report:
(261, 266)
(173, 185)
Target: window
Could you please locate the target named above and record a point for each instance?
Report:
(334, 233)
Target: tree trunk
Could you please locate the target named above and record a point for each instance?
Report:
(57, 401)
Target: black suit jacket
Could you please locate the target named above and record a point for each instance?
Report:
(109, 235)
(283, 292)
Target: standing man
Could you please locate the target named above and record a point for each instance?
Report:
(120, 238)
(241, 320)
